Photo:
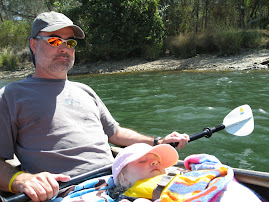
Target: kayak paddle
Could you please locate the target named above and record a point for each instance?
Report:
(238, 122)
(62, 185)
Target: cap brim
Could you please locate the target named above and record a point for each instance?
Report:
(167, 154)
(78, 32)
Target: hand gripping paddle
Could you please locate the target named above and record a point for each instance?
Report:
(238, 122)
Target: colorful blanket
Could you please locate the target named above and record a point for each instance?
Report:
(205, 183)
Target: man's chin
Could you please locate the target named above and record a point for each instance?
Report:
(61, 67)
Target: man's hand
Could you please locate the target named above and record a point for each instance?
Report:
(39, 187)
(182, 139)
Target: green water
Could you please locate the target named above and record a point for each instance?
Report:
(158, 103)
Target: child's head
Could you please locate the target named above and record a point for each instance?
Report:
(140, 161)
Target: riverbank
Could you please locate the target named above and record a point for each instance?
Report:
(245, 61)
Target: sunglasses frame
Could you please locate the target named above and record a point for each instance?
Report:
(46, 38)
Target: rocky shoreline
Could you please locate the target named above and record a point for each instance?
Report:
(258, 60)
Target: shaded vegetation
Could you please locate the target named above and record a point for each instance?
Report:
(220, 42)
(118, 29)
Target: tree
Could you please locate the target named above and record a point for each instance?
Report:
(24, 10)
(258, 13)
(177, 16)
(241, 12)
(118, 28)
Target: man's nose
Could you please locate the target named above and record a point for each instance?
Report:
(64, 45)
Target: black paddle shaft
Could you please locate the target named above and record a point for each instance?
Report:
(75, 180)
(207, 132)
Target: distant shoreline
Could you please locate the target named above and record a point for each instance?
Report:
(258, 60)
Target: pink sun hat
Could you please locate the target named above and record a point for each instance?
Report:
(167, 154)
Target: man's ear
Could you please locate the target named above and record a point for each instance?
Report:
(33, 44)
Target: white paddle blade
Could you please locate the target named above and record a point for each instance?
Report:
(240, 121)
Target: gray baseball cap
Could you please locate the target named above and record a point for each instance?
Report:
(53, 21)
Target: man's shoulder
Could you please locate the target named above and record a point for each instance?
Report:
(12, 85)
(82, 86)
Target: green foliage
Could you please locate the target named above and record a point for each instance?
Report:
(117, 29)
(14, 34)
(177, 17)
(23, 9)
(13, 39)
(229, 42)
(153, 51)
(11, 60)
(233, 41)
(8, 61)
(120, 29)
(183, 45)
(206, 42)
(251, 39)
(219, 41)
(66, 5)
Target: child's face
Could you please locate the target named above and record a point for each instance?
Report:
(146, 167)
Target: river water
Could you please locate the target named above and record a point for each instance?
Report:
(157, 103)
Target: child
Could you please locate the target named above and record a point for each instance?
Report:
(140, 161)
(139, 169)
(139, 174)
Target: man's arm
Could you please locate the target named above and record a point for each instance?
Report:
(39, 187)
(126, 137)
(6, 173)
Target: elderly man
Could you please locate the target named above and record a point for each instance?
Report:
(54, 125)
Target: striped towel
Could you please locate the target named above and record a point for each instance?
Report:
(205, 183)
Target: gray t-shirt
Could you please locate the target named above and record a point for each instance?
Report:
(57, 126)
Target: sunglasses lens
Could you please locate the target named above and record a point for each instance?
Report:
(71, 43)
(54, 41)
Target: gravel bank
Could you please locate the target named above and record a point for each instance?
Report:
(245, 61)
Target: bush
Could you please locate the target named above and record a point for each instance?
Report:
(251, 39)
(151, 52)
(13, 40)
(219, 41)
(206, 43)
(182, 46)
(228, 42)
(119, 29)
(8, 61)
(11, 60)
(14, 34)
(233, 41)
